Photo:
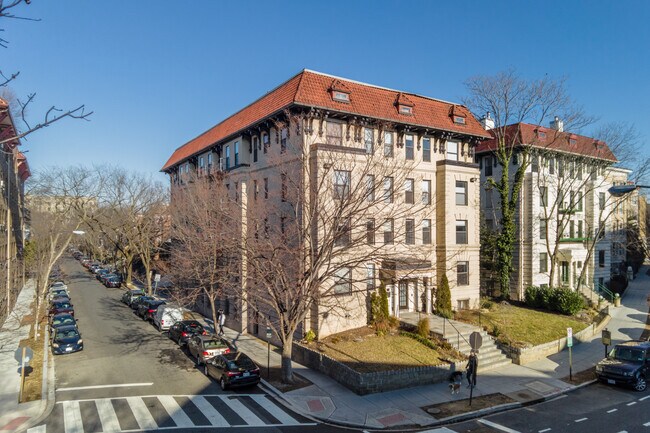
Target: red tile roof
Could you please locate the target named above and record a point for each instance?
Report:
(312, 89)
(525, 133)
(23, 167)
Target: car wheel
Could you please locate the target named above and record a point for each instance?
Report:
(180, 342)
(223, 385)
(640, 384)
(205, 370)
(198, 360)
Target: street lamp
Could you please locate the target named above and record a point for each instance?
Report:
(621, 190)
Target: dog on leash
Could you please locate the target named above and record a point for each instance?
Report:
(455, 381)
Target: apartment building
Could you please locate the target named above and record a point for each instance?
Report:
(413, 157)
(14, 171)
(563, 217)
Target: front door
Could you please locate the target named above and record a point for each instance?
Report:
(403, 295)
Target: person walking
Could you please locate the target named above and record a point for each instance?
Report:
(222, 321)
(472, 366)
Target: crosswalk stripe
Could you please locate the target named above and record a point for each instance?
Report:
(107, 416)
(208, 411)
(175, 411)
(72, 417)
(244, 413)
(37, 429)
(271, 408)
(141, 413)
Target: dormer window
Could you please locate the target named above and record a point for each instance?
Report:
(404, 105)
(339, 92)
(405, 109)
(459, 120)
(340, 96)
(573, 140)
(541, 134)
(458, 116)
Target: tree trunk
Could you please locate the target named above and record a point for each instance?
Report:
(215, 320)
(287, 370)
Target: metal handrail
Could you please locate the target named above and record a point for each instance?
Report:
(457, 332)
(602, 289)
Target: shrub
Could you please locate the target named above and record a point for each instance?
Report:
(567, 301)
(443, 298)
(430, 344)
(488, 304)
(380, 318)
(531, 297)
(448, 314)
(423, 328)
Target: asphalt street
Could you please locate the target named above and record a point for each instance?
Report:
(130, 377)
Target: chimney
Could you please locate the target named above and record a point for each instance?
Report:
(557, 124)
(487, 122)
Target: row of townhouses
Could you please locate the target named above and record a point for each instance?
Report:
(435, 162)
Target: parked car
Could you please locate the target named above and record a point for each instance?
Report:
(233, 369)
(137, 301)
(626, 364)
(166, 315)
(147, 309)
(206, 347)
(66, 339)
(130, 296)
(58, 285)
(114, 281)
(61, 307)
(55, 293)
(101, 272)
(60, 300)
(182, 331)
(59, 320)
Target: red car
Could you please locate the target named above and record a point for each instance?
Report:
(61, 307)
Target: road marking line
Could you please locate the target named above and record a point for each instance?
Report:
(208, 411)
(72, 417)
(175, 411)
(497, 426)
(632, 403)
(644, 398)
(141, 413)
(37, 429)
(107, 416)
(542, 431)
(612, 410)
(117, 385)
(244, 413)
(271, 408)
(581, 419)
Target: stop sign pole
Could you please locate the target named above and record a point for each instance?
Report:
(475, 342)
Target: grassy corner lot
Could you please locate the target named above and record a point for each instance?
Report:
(363, 351)
(519, 326)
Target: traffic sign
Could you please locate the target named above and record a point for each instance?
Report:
(156, 278)
(24, 354)
(269, 333)
(475, 340)
(569, 337)
(607, 337)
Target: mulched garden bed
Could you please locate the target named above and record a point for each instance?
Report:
(459, 407)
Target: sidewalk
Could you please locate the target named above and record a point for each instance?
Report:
(331, 402)
(14, 416)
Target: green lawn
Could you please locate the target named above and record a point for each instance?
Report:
(519, 326)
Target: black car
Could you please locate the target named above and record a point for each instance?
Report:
(130, 296)
(183, 330)
(66, 339)
(61, 307)
(147, 309)
(61, 319)
(60, 299)
(137, 301)
(114, 282)
(627, 364)
(233, 369)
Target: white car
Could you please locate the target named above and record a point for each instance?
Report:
(167, 315)
(59, 285)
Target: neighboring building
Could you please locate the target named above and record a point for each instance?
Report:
(14, 170)
(634, 230)
(350, 120)
(59, 205)
(563, 205)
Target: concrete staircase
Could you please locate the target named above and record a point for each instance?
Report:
(457, 335)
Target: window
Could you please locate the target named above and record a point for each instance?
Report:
(388, 144)
(543, 228)
(284, 134)
(461, 193)
(405, 109)
(388, 190)
(601, 258)
(370, 188)
(388, 231)
(409, 194)
(368, 139)
(370, 276)
(236, 192)
(601, 200)
(543, 196)
(426, 232)
(227, 157)
(342, 236)
(370, 231)
(543, 262)
(580, 229)
(461, 232)
(488, 165)
(283, 186)
(408, 144)
(578, 201)
(572, 229)
(265, 141)
(255, 190)
(341, 184)
(343, 281)
(564, 272)
(410, 231)
(462, 273)
(255, 146)
(426, 192)
(534, 164)
(236, 153)
(201, 164)
(209, 160)
(266, 187)
(452, 150)
(560, 167)
(426, 149)
(551, 166)
(340, 96)
(334, 133)
(459, 120)
(489, 199)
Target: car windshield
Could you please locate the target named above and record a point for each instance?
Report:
(63, 321)
(240, 362)
(62, 305)
(71, 333)
(627, 354)
(213, 344)
(194, 326)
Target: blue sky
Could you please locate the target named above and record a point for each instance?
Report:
(158, 73)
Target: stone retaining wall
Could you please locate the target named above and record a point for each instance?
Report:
(368, 383)
(525, 355)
